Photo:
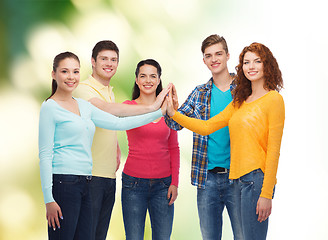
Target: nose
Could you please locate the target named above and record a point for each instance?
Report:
(71, 75)
(251, 65)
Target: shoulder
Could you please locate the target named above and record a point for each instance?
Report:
(275, 96)
(48, 104)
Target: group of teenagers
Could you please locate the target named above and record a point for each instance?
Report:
(237, 120)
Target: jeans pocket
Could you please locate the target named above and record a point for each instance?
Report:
(128, 182)
(66, 179)
(166, 182)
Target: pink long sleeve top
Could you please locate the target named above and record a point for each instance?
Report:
(153, 151)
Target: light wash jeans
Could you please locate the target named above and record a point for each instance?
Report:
(249, 189)
(218, 193)
(140, 194)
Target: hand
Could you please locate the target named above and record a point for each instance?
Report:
(53, 212)
(175, 98)
(118, 157)
(170, 109)
(172, 194)
(161, 97)
(164, 107)
(263, 208)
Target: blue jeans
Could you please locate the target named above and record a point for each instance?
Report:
(102, 191)
(211, 201)
(140, 194)
(71, 192)
(249, 189)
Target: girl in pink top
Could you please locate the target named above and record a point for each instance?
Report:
(151, 172)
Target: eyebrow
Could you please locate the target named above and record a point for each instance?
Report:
(208, 54)
(245, 59)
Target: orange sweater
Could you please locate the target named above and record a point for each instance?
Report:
(255, 133)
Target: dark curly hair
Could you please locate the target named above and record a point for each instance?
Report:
(272, 73)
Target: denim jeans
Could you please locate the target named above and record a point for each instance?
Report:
(140, 194)
(218, 193)
(249, 189)
(102, 191)
(71, 192)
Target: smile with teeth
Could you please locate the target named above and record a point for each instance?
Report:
(70, 84)
(215, 64)
(148, 86)
(252, 73)
(108, 69)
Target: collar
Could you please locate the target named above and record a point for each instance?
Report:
(98, 85)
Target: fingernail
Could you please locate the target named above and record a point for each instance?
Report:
(54, 229)
(61, 217)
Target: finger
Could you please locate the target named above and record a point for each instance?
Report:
(173, 198)
(53, 223)
(57, 221)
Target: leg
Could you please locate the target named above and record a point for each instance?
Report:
(84, 229)
(251, 185)
(134, 206)
(210, 208)
(160, 212)
(67, 192)
(233, 204)
(103, 198)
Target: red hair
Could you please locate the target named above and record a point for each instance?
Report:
(272, 73)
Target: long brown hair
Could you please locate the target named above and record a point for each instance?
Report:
(57, 60)
(272, 73)
(151, 62)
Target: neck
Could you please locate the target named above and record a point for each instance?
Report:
(222, 80)
(258, 88)
(146, 99)
(62, 96)
(104, 82)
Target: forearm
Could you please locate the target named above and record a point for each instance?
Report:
(199, 126)
(120, 109)
(111, 122)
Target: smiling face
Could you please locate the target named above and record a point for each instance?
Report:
(105, 66)
(253, 67)
(215, 58)
(147, 79)
(67, 75)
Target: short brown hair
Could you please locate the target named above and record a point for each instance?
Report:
(214, 39)
(104, 45)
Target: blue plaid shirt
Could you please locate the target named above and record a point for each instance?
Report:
(197, 105)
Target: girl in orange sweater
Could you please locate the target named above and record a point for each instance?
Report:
(256, 120)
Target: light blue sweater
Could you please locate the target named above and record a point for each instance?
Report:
(65, 138)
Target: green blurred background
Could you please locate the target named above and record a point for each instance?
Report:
(170, 31)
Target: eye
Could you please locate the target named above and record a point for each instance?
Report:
(246, 63)
(64, 71)
(76, 72)
(258, 61)
(114, 60)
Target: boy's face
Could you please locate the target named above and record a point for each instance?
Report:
(105, 66)
(215, 58)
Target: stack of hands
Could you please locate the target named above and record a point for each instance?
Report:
(167, 100)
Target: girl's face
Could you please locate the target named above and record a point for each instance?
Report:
(148, 79)
(253, 67)
(67, 74)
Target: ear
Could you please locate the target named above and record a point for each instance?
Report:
(93, 62)
(204, 61)
(228, 56)
(53, 74)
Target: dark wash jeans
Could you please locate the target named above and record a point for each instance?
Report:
(71, 192)
(102, 191)
(140, 194)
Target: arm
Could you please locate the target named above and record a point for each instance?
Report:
(118, 156)
(123, 110)
(174, 151)
(199, 126)
(108, 121)
(276, 117)
(46, 141)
